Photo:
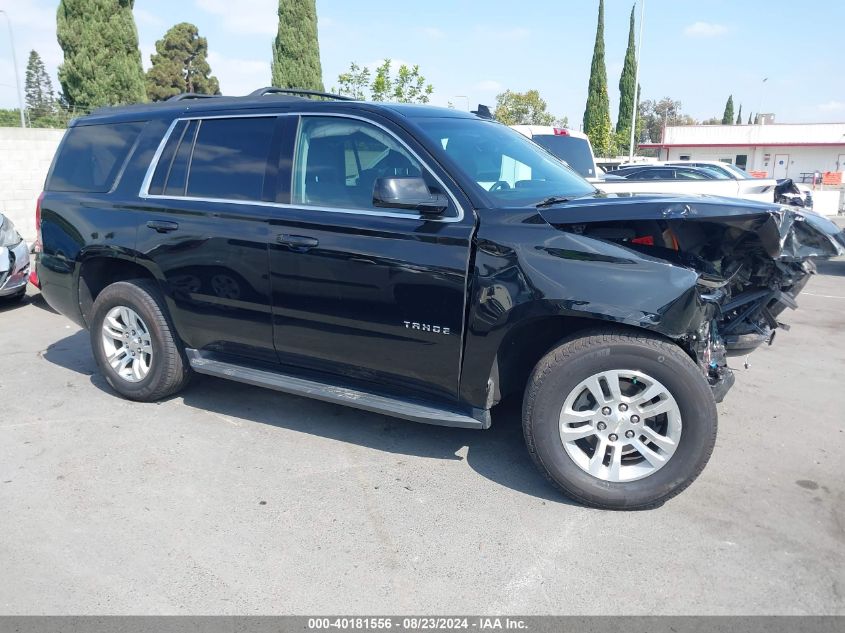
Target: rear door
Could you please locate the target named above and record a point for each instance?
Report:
(205, 229)
(370, 295)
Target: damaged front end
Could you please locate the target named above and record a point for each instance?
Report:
(752, 260)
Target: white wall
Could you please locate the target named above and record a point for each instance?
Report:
(25, 156)
(801, 159)
(749, 135)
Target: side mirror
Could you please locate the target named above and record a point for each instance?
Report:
(408, 193)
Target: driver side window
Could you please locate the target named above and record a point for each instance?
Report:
(338, 161)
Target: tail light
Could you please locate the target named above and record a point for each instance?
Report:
(561, 131)
(37, 247)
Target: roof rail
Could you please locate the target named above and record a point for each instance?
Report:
(191, 95)
(297, 91)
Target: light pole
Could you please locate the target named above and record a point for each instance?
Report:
(760, 105)
(15, 64)
(636, 84)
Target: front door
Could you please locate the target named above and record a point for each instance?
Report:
(373, 296)
(781, 166)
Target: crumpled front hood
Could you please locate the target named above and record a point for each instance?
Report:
(786, 234)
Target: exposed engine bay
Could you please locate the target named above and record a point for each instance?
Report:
(751, 267)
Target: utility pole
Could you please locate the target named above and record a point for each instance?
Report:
(760, 105)
(636, 84)
(15, 64)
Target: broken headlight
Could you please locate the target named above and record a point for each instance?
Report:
(8, 235)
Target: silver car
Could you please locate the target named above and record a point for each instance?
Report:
(14, 262)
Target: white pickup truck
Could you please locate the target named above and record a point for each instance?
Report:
(574, 148)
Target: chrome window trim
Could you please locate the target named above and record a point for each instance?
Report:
(145, 184)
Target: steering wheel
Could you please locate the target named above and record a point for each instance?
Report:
(499, 185)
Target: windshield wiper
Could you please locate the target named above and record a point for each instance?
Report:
(552, 200)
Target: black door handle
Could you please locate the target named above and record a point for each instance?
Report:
(297, 242)
(162, 226)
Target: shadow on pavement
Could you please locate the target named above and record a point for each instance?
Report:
(831, 267)
(498, 453)
(38, 301)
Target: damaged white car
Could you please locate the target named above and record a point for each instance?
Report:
(14, 262)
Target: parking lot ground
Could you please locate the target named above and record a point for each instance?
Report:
(230, 499)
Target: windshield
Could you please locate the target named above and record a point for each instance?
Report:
(738, 172)
(717, 173)
(575, 151)
(509, 167)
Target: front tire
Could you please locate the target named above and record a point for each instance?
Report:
(619, 420)
(134, 343)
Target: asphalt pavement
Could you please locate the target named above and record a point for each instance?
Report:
(229, 499)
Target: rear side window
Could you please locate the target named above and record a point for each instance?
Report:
(215, 158)
(91, 156)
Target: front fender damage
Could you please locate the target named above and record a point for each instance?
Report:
(751, 262)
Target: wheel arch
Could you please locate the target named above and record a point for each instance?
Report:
(97, 270)
(522, 347)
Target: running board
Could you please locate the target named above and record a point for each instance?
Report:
(204, 363)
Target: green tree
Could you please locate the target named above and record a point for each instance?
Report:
(10, 118)
(627, 90)
(656, 114)
(409, 86)
(523, 108)
(382, 83)
(749, 119)
(354, 83)
(102, 63)
(296, 49)
(728, 116)
(739, 115)
(180, 64)
(40, 98)
(597, 113)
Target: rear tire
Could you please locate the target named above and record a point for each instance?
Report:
(134, 342)
(674, 445)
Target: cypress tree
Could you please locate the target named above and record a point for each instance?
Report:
(40, 98)
(626, 86)
(102, 63)
(296, 50)
(597, 114)
(728, 116)
(749, 119)
(739, 115)
(180, 64)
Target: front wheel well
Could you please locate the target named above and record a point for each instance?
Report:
(97, 273)
(524, 346)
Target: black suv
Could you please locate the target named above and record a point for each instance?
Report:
(419, 262)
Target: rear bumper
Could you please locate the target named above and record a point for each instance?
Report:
(14, 269)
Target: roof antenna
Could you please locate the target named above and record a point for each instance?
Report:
(483, 112)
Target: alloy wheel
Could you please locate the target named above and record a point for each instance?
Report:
(127, 344)
(620, 425)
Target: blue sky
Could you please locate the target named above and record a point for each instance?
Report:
(695, 51)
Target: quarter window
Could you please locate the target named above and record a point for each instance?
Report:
(91, 156)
